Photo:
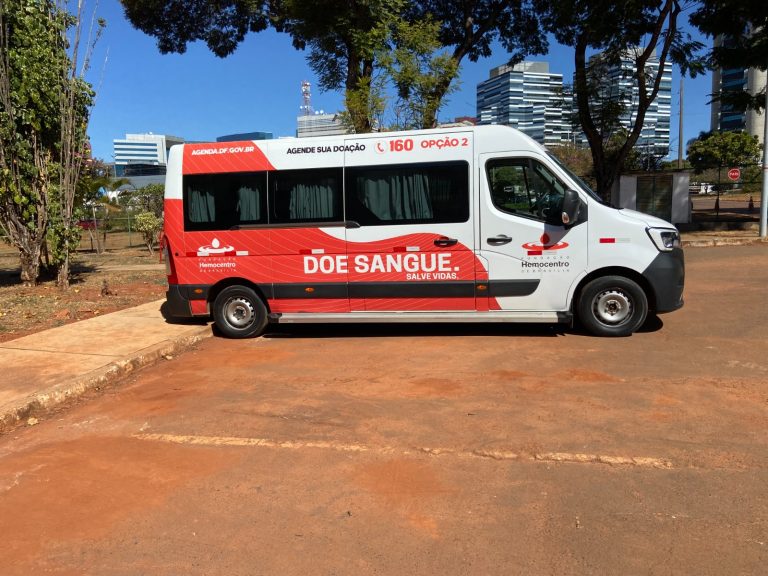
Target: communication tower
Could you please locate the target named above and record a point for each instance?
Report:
(306, 94)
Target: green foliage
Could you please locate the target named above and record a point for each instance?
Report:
(33, 57)
(578, 160)
(465, 30)
(365, 105)
(613, 29)
(62, 240)
(29, 115)
(723, 150)
(222, 24)
(344, 39)
(417, 65)
(94, 178)
(150, 198)
(149, 226)
(44, 106)
(147, 199)
(745, 22)
(744, 25)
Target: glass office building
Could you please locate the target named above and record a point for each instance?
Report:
(528, 97)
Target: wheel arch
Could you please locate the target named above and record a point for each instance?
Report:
(217, 288)
(638, 278)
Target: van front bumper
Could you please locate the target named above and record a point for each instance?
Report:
(666, 276)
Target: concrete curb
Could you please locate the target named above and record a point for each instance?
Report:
(47, 399)
(710, 242)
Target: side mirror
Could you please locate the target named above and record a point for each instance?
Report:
(571, 205)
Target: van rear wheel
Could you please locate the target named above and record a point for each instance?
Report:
(239, 312)
(612, 306)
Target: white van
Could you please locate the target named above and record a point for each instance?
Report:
(476, 224)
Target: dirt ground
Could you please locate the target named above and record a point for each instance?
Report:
(101, 283)
(456, 450)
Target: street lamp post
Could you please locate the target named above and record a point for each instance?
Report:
(764, 196)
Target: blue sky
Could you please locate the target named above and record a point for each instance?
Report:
(198, 96)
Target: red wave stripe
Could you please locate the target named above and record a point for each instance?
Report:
(221, 157)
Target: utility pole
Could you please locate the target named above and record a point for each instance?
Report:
(764, 197)
(680, 131)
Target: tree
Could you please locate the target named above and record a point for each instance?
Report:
(95, 180)
(342, 36)
(32, 56)
(578, 160)
(416, 65)
(222, 24)
(346, 39)
(723, 150)
(469, 28)
(44, 103)
(743, 24)
(149, 198)
(76, 99)
(653, 27)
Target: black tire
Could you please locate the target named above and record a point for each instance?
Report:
(239, 312)
(612, 306)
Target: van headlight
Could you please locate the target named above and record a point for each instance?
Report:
(666, 239)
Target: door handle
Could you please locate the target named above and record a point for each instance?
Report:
(444, 241)
(499, 240)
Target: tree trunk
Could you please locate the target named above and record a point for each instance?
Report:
(62, 279)
(436, 98)
(30, 265)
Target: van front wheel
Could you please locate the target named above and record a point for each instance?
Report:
(612, 306)
(239, 312)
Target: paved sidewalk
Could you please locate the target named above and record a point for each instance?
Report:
(44, 369)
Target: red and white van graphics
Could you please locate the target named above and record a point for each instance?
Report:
(440, 225)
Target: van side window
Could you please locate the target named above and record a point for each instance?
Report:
(408, 194)
(222, 201)
(525, 187)
(297, 196)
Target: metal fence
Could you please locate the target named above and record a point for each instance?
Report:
(99, 235)
(113, 233)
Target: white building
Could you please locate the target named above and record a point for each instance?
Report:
(142, 154)
(319, 124)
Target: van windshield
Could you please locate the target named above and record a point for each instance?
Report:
(583, 185)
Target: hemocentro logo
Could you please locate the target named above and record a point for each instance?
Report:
(552, 260)
(544, 244)
(215, 248)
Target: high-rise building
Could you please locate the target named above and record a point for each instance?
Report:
(528, 97)
(727, 117)
(143, 154)
(615, 84)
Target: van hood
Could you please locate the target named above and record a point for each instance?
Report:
(647, 219)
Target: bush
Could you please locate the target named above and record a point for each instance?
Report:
(149, 226)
